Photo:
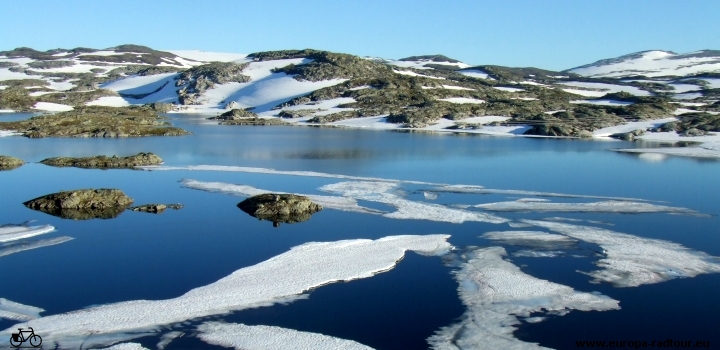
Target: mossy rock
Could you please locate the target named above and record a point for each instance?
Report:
(235, 114)
(155, 208)
(10, 163)
(82, 204)
(96, 121)
(105, 162)
(254, 121)
(280, 208)
(197, 80)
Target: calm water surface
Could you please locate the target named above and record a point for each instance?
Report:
(144, 256)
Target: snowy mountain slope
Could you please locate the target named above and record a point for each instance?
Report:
(653, 63)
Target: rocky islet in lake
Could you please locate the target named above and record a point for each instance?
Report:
(10, 163)
(280, 207)
(105, 162)
(82, 204)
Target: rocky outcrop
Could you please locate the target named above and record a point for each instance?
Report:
(82, 204)
(628, 136)
(196, 80)
(280, 208)
(254, 121)
(96, 121)
(235, 114)
(297, 113)
(10, 163)
(105, 162)
(156, 208)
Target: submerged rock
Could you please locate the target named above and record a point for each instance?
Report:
(10, 163)
(105, 161)
(156, 208)
(280, 208)
(82, 204)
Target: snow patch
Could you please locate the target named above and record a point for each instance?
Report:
(462, 100)
(52, 107)
(594, 207)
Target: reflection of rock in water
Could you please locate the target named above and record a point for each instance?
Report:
(280, 208)
(82, 204)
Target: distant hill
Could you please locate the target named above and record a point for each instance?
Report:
(654, 63)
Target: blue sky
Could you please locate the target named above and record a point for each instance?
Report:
(551, 34)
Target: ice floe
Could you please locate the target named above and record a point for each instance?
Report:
(18, 312)
(126, 346)
(498, 294)
(593, 207)
(537, 254)
(483, 190)
(15, 232)
(23, 245)
(5, 133)
(244, 337)
(167, 338)
(706, 150)
(535, 239)
(282, 278)
(406, 209)
(331, 202)
(631, 261)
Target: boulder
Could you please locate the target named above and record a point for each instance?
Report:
(280, 208)
(628, 136)
(235, 114)
(105, 162)
(10, 163)
(82, 204)
(155, 208)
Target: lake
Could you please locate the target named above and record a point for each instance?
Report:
(140, 256)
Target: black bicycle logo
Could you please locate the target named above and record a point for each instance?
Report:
(18, 338)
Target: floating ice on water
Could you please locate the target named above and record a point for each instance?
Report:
(406, 209)
(502, 294)
(127, 346)
(594, 207)
(536, 254)
(332, 202)
(631, 261)
(518, 224)
(483, 190)
(244, 337)
(430, 195)
(272, 171)
(14, 232)
(536, 239)
(16, 247)
(281, 278)
(19, 312)
(167, 338)
(5, 133)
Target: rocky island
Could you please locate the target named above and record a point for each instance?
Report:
(105, 162)
(96, 121)
(280, 207)
(82, 204)
(10, 163)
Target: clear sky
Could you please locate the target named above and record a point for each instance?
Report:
(551, 34)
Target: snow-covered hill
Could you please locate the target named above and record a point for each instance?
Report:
(653, 63)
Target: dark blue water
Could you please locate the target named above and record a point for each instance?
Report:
(145, 256)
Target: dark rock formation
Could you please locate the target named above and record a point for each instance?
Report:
(105, 162)
(254, 121)
(280, 208)
(10, 163)
(155, 208)
(82, 204)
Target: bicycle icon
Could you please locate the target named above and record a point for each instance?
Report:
(18, 338)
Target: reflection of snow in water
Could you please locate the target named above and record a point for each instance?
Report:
(497, 294)
(282, 278)
(23, 245)
(240, 336)
(631, 261)
(534, 239)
